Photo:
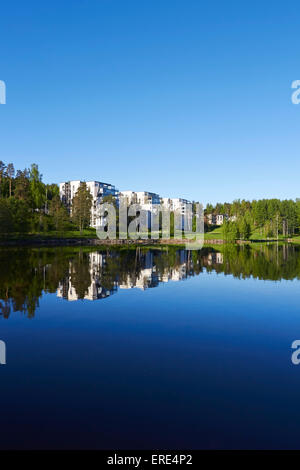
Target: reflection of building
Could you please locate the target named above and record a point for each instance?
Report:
(216, 219)
(174, 274)
(95, 290)
(215, 258)
(88, 277)
(145, 278)
(98, 190)
(178, 272)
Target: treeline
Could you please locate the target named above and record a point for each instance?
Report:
(268, 217)
(27, 205)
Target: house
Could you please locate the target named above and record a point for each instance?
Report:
(219, 219)
(216, 219)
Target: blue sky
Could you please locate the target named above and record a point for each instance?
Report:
(180, 97)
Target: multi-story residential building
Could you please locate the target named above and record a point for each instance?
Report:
(144, 198)
(148, 202)
(175, 204)
(98, 190)
(179, 206)
(130, 197)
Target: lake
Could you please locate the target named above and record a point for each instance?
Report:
(150, 349)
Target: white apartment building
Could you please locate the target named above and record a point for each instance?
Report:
(145, 199)
(175, 204)
(98, 190)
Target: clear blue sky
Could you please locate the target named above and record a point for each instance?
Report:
(180, 97)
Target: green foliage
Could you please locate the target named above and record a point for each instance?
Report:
(244, 228)
(24, 201)
(6, 218)
(59, 214)
(21, 215)
(37, 188)
(29, 205)
(230, 231)
(268, 217)
(81, 207)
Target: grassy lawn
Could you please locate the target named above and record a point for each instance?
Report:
(215, 234)
(90, 233)
(87, 233)
(256, 235)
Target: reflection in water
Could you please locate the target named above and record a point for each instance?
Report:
(84, 279)
(78, 273)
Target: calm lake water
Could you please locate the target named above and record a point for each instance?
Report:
(150, 348)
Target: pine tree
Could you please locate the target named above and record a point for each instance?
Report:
(2, 173)
(10, 173)
(58, 213)
(81, 207)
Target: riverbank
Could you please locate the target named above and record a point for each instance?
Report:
(88, 242)
(40, 241)
(85, 240)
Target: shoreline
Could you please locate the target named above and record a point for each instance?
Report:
(57, 242)
(94, 242)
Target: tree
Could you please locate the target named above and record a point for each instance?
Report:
(6, 217)
(80, 275)
(59, 213)
(81, 207)
(110, 200)
(244, 229)
(2, 173)
(230, 231)
(22, 186)
(10, 173)
(37, 188)
(21, 215)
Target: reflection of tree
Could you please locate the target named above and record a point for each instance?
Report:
(80, 273)
(262, 262)
(109, 271)
(5, 309)
(24, 274)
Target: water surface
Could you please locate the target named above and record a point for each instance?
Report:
(150, 348)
